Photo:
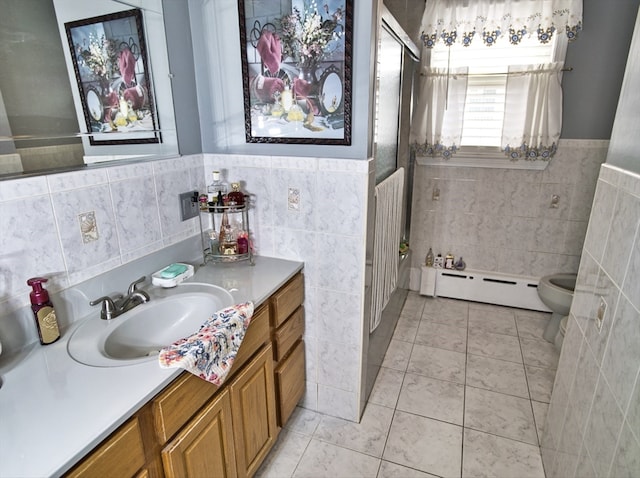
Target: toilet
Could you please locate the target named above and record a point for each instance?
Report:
(556, 292)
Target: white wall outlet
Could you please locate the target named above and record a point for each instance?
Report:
(293, 199)
(601, 313)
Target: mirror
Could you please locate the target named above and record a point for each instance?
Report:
(331, 91)
(42, 122)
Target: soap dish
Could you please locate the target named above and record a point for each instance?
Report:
(159, 278)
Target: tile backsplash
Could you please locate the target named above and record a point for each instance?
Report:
(503, 220)
(135, 209)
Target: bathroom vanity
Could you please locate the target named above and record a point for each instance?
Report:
(140, 420)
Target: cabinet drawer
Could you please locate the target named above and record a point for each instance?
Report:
(287, 299)
(121, 455)
(290, 383)
(289, 333)
(188, 393)
(178, 403)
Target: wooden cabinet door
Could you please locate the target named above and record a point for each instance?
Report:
(254, 412)
(204, 447)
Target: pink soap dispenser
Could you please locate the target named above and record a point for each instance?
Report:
(45, 315)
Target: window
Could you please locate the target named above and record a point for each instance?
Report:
(484, 104)
(501, 95)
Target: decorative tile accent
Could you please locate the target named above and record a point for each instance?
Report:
(88, 226)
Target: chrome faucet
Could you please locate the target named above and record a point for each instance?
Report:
(112, 307)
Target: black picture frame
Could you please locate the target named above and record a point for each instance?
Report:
(297, 92)
(109, 56)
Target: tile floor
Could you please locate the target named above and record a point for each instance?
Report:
(463, 391)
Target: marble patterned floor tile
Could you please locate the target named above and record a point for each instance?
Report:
(437, 363)
(532, 327)
(540, 382)
(539, 353)
(424, 444)
(432, 398)
(445, 311)
(497, 346)
(442, 336)
(500, 414)
(285, 455)
(368, 436)
(494, 321)
(393, 470)
(322, 459)
(386, 388)
(405, 331)
(496, 457)
(304, 421)
(497, 375)
(397, 356)
(540, 415)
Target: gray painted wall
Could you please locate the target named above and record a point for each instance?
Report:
(598, 59)
(623, 148)
(215, 32)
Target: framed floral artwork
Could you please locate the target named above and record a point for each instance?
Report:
(296, 68)
(109, 58)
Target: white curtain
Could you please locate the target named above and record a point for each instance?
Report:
(533, 110)
(436, 126)
(465, 20)
(531, 128)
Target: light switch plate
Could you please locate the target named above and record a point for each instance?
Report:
(189, 205)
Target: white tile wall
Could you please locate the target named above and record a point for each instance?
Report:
(328, 234)
(136, 209)
(593, 422)
(500, 220)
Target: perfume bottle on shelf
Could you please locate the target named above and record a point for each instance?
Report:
(235, 197)
(216, 187)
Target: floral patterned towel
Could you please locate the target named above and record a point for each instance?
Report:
(210, 352)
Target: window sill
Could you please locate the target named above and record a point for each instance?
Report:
(482, 159)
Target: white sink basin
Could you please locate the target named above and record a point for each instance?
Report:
(138, 335)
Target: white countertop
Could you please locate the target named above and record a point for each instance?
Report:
(54, 410)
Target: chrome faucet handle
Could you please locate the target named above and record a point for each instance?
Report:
(132, 287)
(108, 311)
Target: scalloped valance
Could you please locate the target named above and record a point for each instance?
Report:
(464, 20)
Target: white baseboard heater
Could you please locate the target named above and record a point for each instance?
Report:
(489, 287)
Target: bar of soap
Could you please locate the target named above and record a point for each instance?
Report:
(173, 270)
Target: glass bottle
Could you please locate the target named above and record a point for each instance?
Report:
(216, 187)
(243, 242)
(224, 226)
(235, 197)
(429, 259)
